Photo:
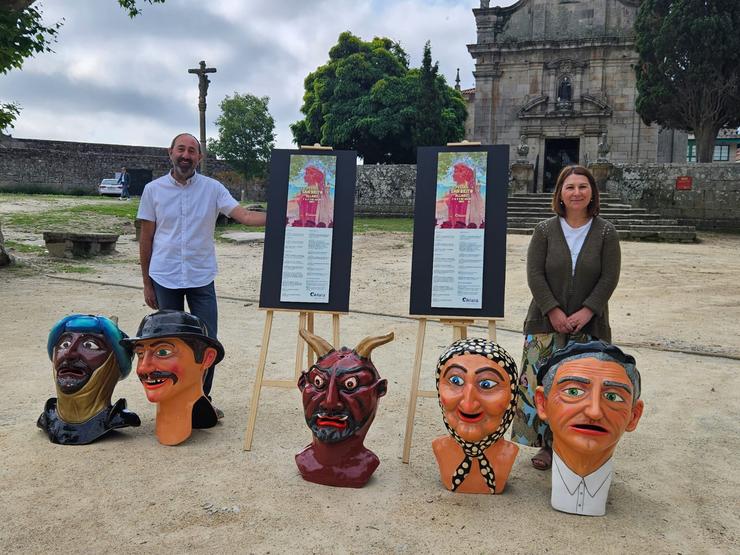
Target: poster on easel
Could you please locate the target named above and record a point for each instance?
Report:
(459, 255)
(308, 237)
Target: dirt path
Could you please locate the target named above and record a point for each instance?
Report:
(675, 490)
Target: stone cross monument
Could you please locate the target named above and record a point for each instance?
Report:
(203, 82)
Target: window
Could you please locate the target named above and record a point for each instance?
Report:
(691, 153)
(721, 153)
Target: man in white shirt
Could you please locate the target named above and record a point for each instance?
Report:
(589, 393)
(178, 213)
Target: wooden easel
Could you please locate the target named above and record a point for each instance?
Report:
(305, 321)
(459, 331)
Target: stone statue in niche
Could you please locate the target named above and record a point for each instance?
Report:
(589, 394)
(565, 90)
(87, 361)
(523, 149)
(173, 352)
(340, 397)
(603, 148)
(565, 95)
(476, 386)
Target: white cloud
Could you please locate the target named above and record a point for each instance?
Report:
(124, 81)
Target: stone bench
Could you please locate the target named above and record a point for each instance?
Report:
(65, 244)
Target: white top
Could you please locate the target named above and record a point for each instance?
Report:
(578, 495)
(183, 253)
(575, 236)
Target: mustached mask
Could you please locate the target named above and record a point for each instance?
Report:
(173, 352)
(87, 362)
(340, 397)
(476, 384)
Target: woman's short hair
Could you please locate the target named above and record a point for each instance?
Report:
(558, 207)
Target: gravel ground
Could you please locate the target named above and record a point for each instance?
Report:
(677, 309)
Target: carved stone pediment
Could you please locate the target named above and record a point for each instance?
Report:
(566, 64)
(539, 107)
(530, 105)
(601, 106)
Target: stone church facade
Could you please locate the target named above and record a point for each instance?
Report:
(560, 73)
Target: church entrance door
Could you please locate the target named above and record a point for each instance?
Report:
(558, 154)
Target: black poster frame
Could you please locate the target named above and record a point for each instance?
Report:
(341, 249)
(494, 259)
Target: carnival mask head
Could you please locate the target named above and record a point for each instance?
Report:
(173, 352)
(87, 362)
(589, 394)
(340, 398)
(476, 384)
(341, 391)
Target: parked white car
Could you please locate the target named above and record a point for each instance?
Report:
(110, 187)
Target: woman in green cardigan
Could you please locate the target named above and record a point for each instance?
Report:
(573, 264)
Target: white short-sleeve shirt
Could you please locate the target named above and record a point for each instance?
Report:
(183, 253)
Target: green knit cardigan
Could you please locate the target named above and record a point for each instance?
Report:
(550, 277)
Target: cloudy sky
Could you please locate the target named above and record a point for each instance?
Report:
(116, 80)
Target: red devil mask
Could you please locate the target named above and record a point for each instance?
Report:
(341, 391)
(340, 397)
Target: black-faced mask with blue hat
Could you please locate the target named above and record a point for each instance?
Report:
(87, 362)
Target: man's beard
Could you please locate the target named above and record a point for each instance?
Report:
(332, 433)
(185, 167)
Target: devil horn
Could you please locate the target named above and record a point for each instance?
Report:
(366, 346)
(320, 346)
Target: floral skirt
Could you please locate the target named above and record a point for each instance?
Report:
(527, 428)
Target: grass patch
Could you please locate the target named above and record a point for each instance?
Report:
(110, 215)
(72, 269)
(106, 216)
(363, 225)
(25, 247)
(35, 196)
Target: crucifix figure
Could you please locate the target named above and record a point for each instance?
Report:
(203, 82)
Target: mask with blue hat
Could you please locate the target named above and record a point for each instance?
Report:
(87, 362)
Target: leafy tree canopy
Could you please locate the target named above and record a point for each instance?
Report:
(366, 98)
(688, 76)
(23, 34)
(246, 134)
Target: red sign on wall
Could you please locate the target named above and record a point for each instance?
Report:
(683, 183)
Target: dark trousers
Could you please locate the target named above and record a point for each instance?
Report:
(202, 303)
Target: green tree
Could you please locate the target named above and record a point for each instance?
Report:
(688, 75)
(23, 34)
(367, 99)
(246, 134)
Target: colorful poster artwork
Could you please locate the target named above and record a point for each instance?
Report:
(311, 191)
(457, 273)
(309, 220)
(461, 190)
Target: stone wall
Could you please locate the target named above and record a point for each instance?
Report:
(385, 190)
(712, 203)
(38, 166)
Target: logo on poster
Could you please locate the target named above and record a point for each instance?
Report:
(470, 300)
(315, 294)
